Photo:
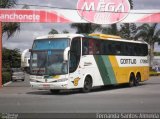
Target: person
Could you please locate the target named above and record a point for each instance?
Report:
(85, 48)
(156, 68)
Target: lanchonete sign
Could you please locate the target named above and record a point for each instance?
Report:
(87, 11)
(103, 11)
(20, 17)
(12, 15)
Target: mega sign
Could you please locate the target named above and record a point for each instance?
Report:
(103, 11)
(88, 11)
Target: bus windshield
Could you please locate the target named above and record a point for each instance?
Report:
(47, 57)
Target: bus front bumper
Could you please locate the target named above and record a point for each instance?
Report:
(48, 86)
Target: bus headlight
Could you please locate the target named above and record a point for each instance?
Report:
(61, 80)
(33, 80)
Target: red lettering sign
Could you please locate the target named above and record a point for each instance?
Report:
(103, 11)
(11, 15)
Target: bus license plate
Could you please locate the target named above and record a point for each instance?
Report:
(46, 85)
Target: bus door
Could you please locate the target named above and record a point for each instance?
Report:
(75, 73)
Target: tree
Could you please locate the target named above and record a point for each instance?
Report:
(128, 31)
(9, 28)
(26, 7)
(7, 3)
(151, 34)
(111, 29)
(65, 31)
(131, 3)
(85, 28)
(53, 31)
(124, 31)
(11, 58)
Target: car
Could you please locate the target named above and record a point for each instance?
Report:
(18, 74)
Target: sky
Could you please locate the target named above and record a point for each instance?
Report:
(29, 31)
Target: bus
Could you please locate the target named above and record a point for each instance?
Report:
(76, 61)
(25, 60)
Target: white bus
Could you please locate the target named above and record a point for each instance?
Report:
(70, 61)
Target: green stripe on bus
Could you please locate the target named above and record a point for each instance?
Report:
(105, 69)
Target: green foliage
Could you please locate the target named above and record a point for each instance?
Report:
(7, 3)
(131, 3)
(85, 28)
(11, 58)
(151, 34)
(53, 31)
(128, 31)
(156, 53)
(9, 28)
(154, 73)
(65, 32)
(6, 77)
(111, 29)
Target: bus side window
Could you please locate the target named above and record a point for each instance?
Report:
(126, 50)
(85, 47)
(110, 49)
(145, 49)
(96, 47)
(131, 48)
(118, 49)
(104, 49)
(91, 47)
(75, 53)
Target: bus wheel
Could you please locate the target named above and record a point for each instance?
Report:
(54, 91)
(131, 80)
(87, 85)
(137, 80)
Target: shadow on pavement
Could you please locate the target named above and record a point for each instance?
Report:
(77, 91)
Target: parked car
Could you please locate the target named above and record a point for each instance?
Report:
(17, 74)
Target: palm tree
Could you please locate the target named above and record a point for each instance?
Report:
(124, 31)
(110, 29)
(65, 31)
(53, 31)
(9, 28)
(128, 31)
(7, 3)
(85, 28)
(150, 34)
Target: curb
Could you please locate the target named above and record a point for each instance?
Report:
(6, 84)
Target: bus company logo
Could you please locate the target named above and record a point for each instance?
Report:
(103, 11)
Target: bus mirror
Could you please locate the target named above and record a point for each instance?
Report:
(30, 50)
(65, 57)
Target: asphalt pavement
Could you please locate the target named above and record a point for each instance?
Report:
(19, 97)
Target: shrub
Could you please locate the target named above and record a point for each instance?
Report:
(6, 77)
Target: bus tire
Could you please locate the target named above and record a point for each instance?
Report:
(87, 85)
(131, 80)
(137, 79)
(54, 91)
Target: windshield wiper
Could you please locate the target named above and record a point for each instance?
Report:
(41, 67)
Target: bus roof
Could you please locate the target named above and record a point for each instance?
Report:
(95, 36)
(105, 36)
(113, 38)
(59, 36)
